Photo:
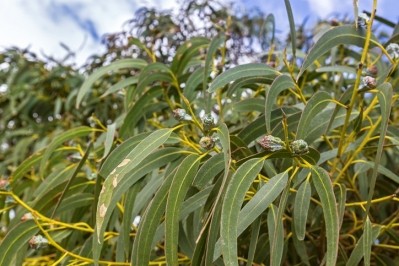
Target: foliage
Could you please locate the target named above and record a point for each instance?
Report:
(184, 157)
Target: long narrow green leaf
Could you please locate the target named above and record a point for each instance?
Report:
(385, 93)
(115, 66)
(68, 135)
(253, 240)
(213, 47)
(120, 85)
(323, 185)
(280, 84)
(15, 239)
(238, 186)
(142, 244)
(179, 187)
(118, 175)
(301, 208)
(336, 36)
(314, 106)
(367, 241)
(242, 71)
(292, 26)
(209, 170)
(109, 139)
(277, 241)
(358, 252)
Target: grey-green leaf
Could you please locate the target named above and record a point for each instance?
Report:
(115, 66)
(301, 208)
(323, 185)
(242, 71)
(179, 187)
(238, 186)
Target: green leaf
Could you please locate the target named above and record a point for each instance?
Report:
(358, 252)
(253, 241)
(280, 84)
(58, 140)
(292, 26)
(323, 185)
(117, 176)
(242, 71)
(238, 186)
(109, 139)
(120, 85)
(277, 240)
(142, 245)
(26, 165)
(16, 239)
(341, 202)
(179, 187)
(385, 94)
(314, 106)
(261, 200)
(336, 36)
(246, 82)
(367, 241)
(213, 47)
(193, 81)
(209, 170)
(301, 208)
(115, 66)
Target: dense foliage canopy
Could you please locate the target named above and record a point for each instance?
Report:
(210, 143)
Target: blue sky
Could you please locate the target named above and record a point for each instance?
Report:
(44, 24)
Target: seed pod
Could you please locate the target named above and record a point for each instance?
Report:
(208, 122)
(37, 242)
(207, 142)
(270, 143)
(299, 147)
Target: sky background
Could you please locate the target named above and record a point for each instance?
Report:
(44, 24)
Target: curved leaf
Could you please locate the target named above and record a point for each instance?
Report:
(336, 36)
(242, 71)
(238, 186)
(280, 84)
(301, 208)
(313, 107)
(16, 239)
(115, 66)
(179, 187)
(323, 185)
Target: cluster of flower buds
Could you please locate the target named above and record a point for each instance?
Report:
(207, 142)
(271, 143)
(368, 82)
(299, 147)
(208, 122)
(181, 115)
(393, 50)
(37, 242)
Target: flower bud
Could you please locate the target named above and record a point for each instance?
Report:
(368, 83)
(393, 50)
(299, 147)
(372, 71)
(27, 216)
(4, 185)
(37, 242)
(270, 143)
(181, 115)
(208, 122)
(207, 142)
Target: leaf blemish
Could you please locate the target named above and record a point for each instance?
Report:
(115, 181)
(124, 162)
(102, 190)
(103, 210)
